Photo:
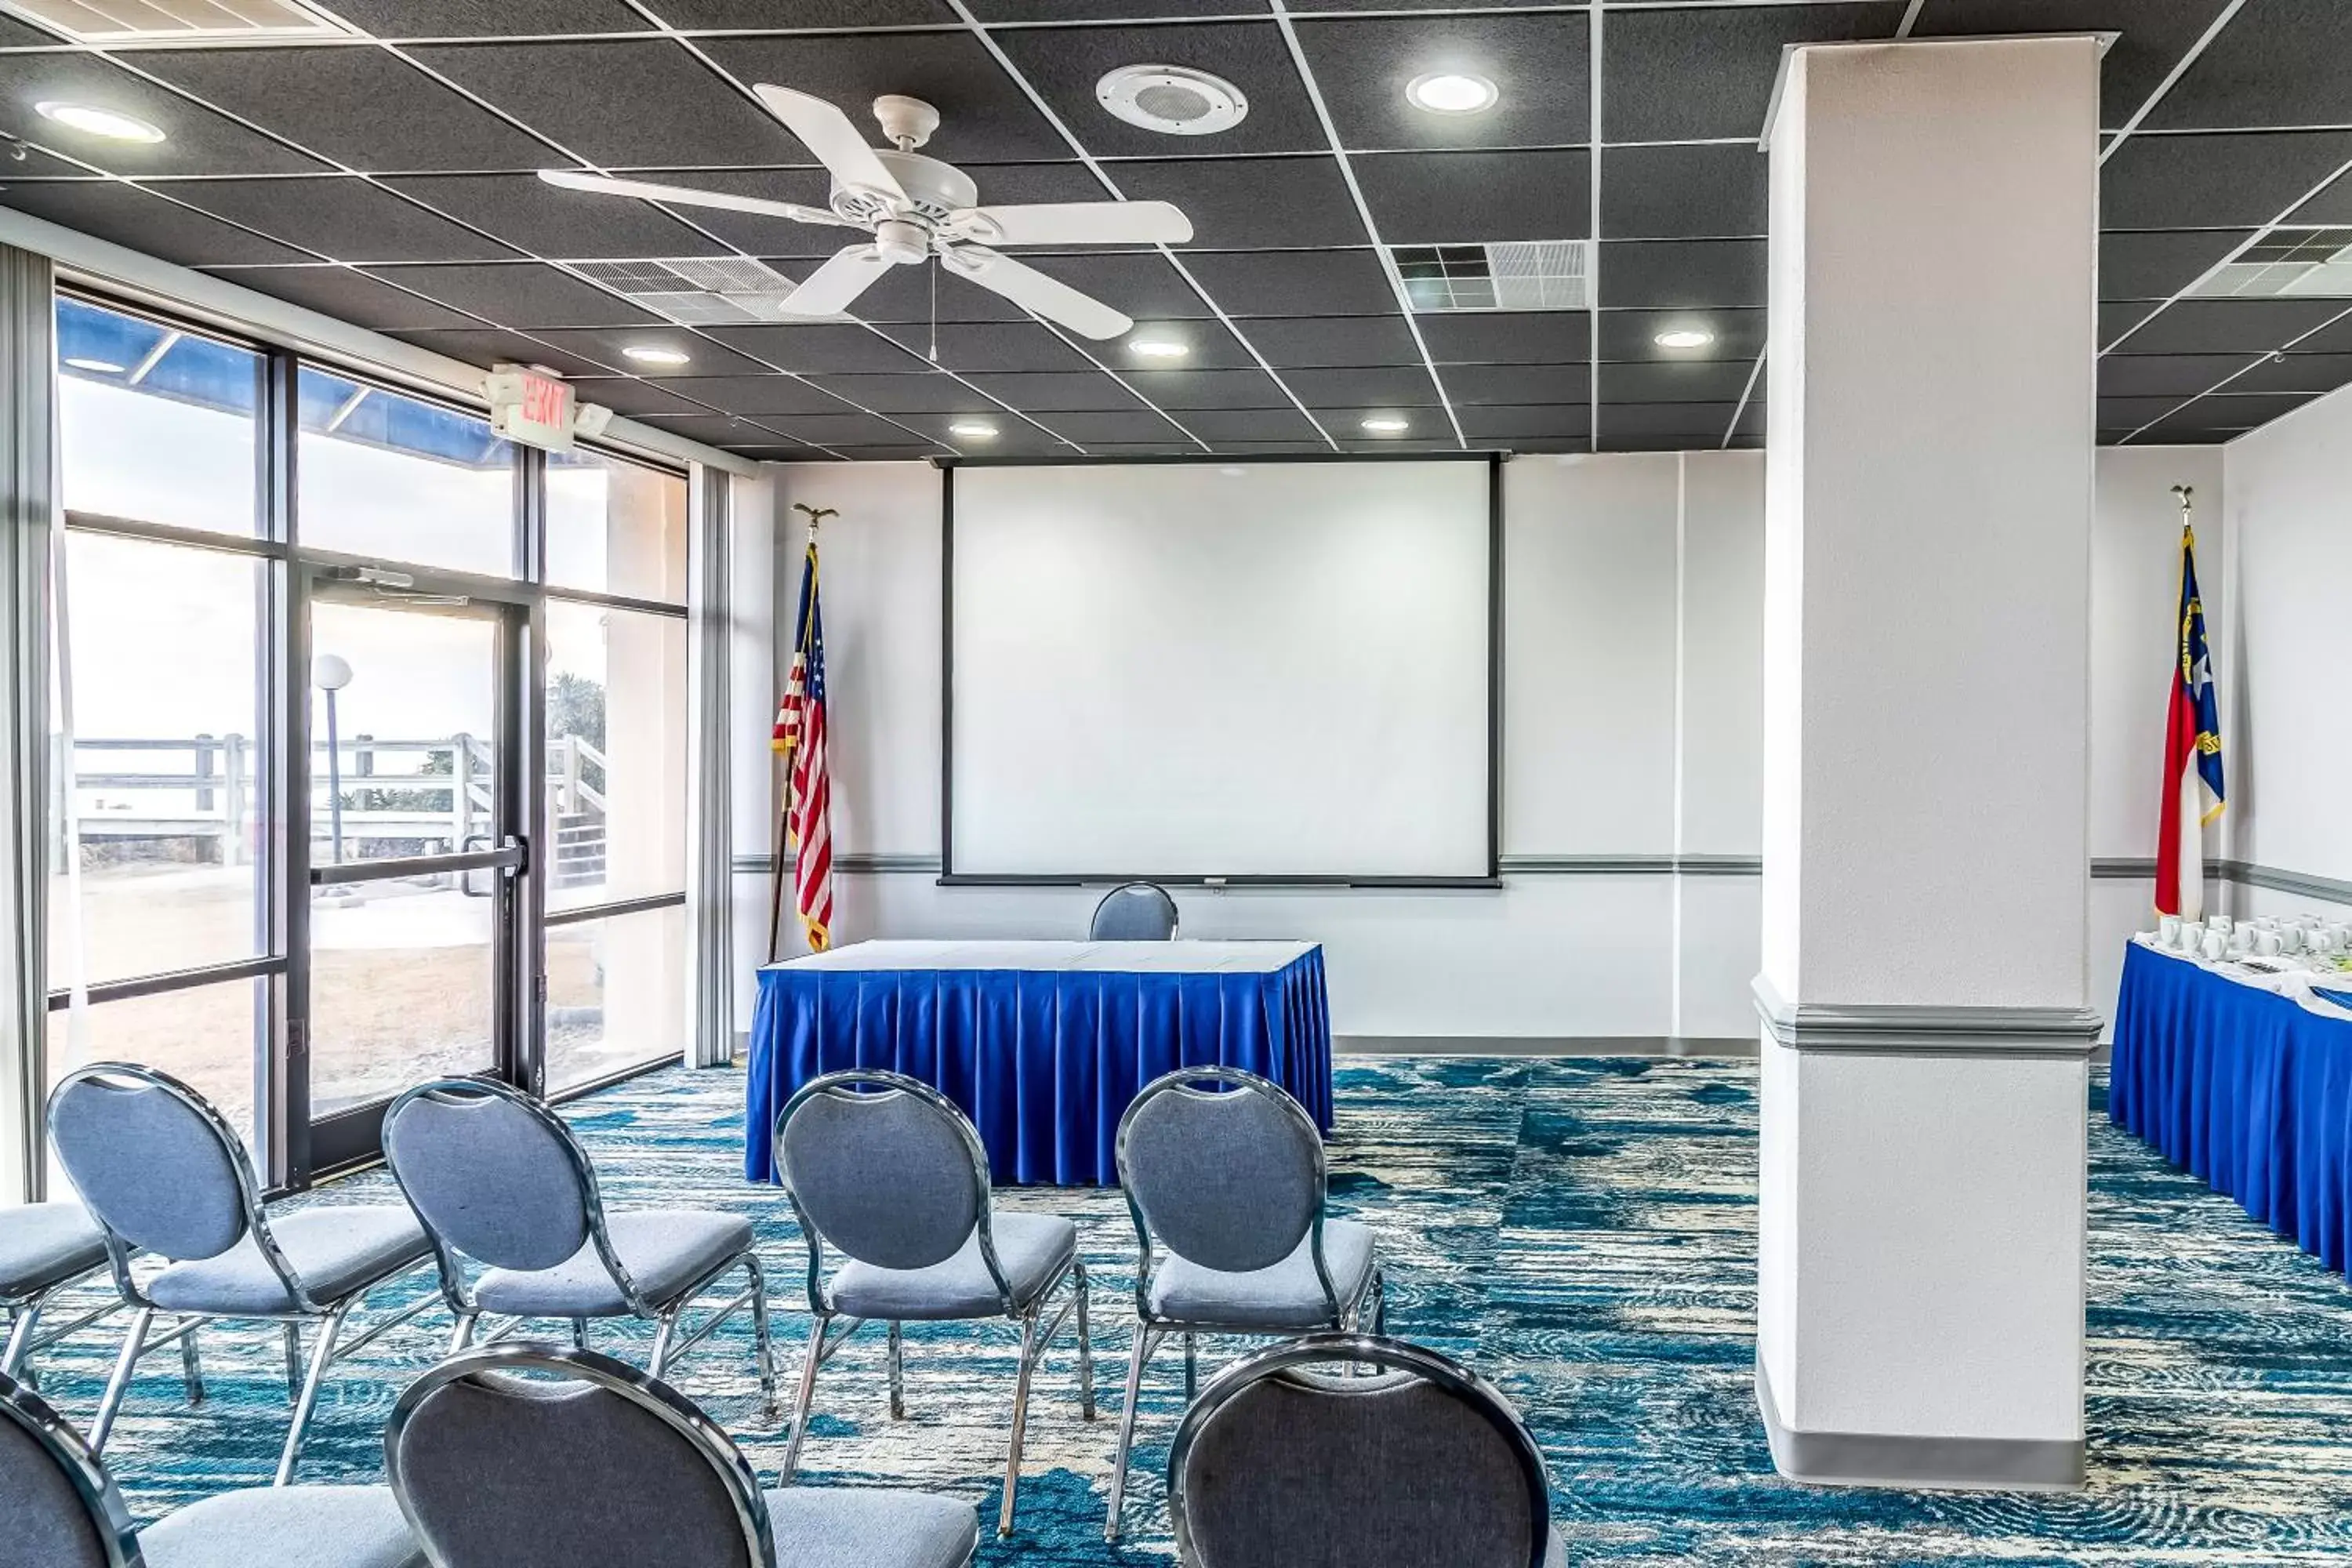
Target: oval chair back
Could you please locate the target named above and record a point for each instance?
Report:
(528, 1456)
(156, 1166)
(57, 1505)
(884, 1168)
(1136, 911)
(1281, 1462)
(1223, 1167)
(493, 1172)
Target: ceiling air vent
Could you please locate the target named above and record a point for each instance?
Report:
(696, 290)
(178, 21)
(1524, 275)
(2309, 263)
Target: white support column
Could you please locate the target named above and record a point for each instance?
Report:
(753, 687)
(1929, 497)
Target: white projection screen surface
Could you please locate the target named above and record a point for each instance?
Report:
(1272, 670)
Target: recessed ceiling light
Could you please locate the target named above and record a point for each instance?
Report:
(91, 120)
(655, 353)
(97, 366)
(1158, 348)
(1452, 92)
(1684, 338)
(1387, 425)
(972, 430)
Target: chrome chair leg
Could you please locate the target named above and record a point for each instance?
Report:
(132, 1343)
(1380, 1303)
(1141, 1354)
(580, 1335)
(22, 1320)
(1192, 1368)
(764, 1345)
(1030, 1347)
(897, 1355)
(322, 1356)
(662, 1336)
(800, 1405)
(1086, 1351)
(192, 1367)
(293, 1334)
(463, 1335)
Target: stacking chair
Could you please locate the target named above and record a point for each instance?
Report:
(497, 1177)
(59, 1509)
(1229, 1178)
(1281, 1463)
(1138, 911)
(525, 1456)
(161, 1172)
(894, 1177)
(43, 1248)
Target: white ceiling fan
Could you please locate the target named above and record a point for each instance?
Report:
(916, 209)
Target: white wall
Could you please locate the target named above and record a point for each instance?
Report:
(1633, 594)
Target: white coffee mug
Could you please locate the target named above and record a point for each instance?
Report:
(2268, 944)
(2292, 937)
(2218, 922)
(2217, 947)
(2167, 930)
(2192, 937)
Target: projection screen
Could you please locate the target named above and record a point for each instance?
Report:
(1183, 671)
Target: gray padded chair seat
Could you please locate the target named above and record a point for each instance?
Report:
(286, 1527)
(870, 1527)
(42, 1245)
(664, 1250)
(1286, 1296)
(1030, 1247)
(334, 1249)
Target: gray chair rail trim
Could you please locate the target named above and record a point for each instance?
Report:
(2243, 873)
(110, 1516)
(1895, 1460)
(1927, 1031)
(1394, 1355)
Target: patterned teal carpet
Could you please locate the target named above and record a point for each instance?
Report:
(1583, 1232)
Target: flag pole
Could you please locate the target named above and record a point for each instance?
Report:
(784, 813)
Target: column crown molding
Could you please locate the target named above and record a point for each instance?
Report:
(1921, 1030)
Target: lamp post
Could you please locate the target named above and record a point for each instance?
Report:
(330, 673)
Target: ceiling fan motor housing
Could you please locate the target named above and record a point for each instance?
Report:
(934, 191)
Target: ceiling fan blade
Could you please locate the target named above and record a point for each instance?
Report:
(681, 195)
(1048, 296)
(1078, 223)
(833, 136)
(830, 290)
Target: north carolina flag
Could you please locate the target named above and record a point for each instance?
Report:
(799, 735)
(2193, 794)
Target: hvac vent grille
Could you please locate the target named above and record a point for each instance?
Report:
(1529, 275)
(2308, 263)
(696, 291)
(177, 21)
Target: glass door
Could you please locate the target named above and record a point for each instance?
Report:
(415, 853)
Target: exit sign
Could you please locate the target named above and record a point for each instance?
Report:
(531, 407)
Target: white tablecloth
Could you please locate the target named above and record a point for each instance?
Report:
(1096, 957)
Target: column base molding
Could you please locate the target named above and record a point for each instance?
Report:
(1927, 1031)
(1922, 1464)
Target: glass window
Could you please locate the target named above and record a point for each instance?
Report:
(403, 987)
(617, 751)
(395, 478)
(615, 528)
(155, 424)
(206, 1037)
(160, 780)
(615, 994)
(409, 696)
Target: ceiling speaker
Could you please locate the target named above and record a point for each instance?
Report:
(1176, 100)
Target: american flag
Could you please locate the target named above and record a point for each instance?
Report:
(799, 735)
(2193, 792)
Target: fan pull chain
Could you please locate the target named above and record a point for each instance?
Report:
(935, 312)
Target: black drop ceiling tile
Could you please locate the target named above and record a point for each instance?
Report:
(1716, 191)
(197, 141)
(1422, 426)
(1342, 6)
(634, 398)
(1640, 441)
(788, 14)
(2332, 205)
(1295, 283)
(1065, 63)
(1693, 381)
(521, 294)
(2166, 375)
(1140, 282)
(475, 18)
(1691, 74)
(2244, 411)
(1040, 392)
(487, 346)
(2336, 337)
(1136, 428)
(1222, 425)
(1176, 449)
(859, 452)
(2229, 326)
(756, 395)
(2115, 321)
(366, 109)
(816, 346)
(2278, 62)
(1392, 386)
(1508, 337)
(1527, 421)
(677, 111)
(143, 221)
(1333, 341)
(2183, 433)
(15, 35)
(1537, 63)
(1682, 272)
(990, 345)
(1632, 335)
(1180, 389)
(2297, 372)
(992, 12)
(1254, 205)
(923, 392)
(2152, 37)
(851, 429)
(1212, 347)
(906, 294)
(1451, 198)
(1525, 386)
(1691, 421)
(983, 115)
(573, 225)
(347, 296)
(606, 343)
(2157, 264)
(1749, 431)
(341, 216)
(1390, 446)
(2216, 181)
(2131, 412)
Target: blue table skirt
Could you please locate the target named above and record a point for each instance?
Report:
(2245, 1088)
(1043, 1061)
